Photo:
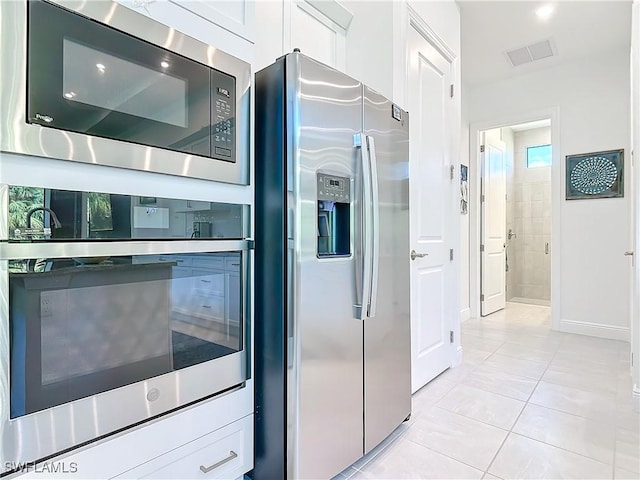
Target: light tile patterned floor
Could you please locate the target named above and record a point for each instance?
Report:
(527, 402)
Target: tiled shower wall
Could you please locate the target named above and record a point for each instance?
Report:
(529, 217)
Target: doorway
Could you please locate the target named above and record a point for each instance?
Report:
(529, 214)
(516, 215)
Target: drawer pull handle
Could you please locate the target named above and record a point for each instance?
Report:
(205, 281)
(206, 306)
(235, 264)
(231, 456)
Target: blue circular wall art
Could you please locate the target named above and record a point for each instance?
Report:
(594, 175)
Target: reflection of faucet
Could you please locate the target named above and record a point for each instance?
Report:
(31, 262)
(511, 234)
(54, 217)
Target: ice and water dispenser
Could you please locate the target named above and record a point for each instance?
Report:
(334, 223)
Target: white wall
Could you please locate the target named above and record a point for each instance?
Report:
(592, 97)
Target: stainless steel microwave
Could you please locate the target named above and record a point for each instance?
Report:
(97, 82)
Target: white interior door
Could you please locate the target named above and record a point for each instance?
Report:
(431, 209)
(493, 224)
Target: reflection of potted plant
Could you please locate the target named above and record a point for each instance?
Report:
(21, 200)
(99, 212)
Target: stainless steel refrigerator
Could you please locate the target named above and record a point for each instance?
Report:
(332, 357)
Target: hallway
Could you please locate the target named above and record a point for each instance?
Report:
(526, 402)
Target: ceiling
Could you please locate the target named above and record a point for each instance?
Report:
(577, 29)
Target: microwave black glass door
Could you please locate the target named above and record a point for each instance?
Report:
(86, 77)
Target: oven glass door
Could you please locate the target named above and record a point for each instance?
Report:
(86, 77)
(85, 325)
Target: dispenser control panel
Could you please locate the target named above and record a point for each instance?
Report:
(333, 188)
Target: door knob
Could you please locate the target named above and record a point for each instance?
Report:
(415, 255)
(628, 254)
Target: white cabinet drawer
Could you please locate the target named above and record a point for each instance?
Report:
(232, 264)
(228, 450)
(216, 263)
(180, 260)
(206, 282)
(208, 307)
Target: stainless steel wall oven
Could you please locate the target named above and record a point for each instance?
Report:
(96, 82)
(113, 313)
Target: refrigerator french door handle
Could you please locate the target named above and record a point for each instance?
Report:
(375, 224)
(363, 277)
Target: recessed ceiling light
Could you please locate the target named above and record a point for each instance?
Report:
(70, 94)
(164, 64)
(101, 67)
(544, 11)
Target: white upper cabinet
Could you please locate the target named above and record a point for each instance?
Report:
(319, 30)
(237, 16)
(226, 25)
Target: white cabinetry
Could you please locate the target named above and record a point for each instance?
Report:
(174, 446)
(228, 25)
(206, 288)
(236, 16)
(224, 454)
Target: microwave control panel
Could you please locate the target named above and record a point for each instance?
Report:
(223, 112)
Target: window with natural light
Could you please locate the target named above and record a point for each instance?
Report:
(539, 156)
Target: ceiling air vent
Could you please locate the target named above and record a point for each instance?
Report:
(530, 53)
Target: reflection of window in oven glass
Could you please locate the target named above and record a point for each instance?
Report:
(99, 212)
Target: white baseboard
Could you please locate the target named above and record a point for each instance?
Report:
(636, 398)
(595, 330)
(530, 301)
(465, 314)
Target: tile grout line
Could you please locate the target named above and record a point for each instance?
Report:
(519, 415)
(561, 448)
(445, 455)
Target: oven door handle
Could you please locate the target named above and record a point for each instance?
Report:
(17, 251)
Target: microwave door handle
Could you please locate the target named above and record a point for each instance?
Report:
(363, 256)
(375, 227)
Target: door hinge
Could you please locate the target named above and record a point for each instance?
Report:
(451, 254)
(481, 148)
(482, 298)
(482, 248)
(451, 171)
(451, 336)
(451, 91)
(482, 198)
